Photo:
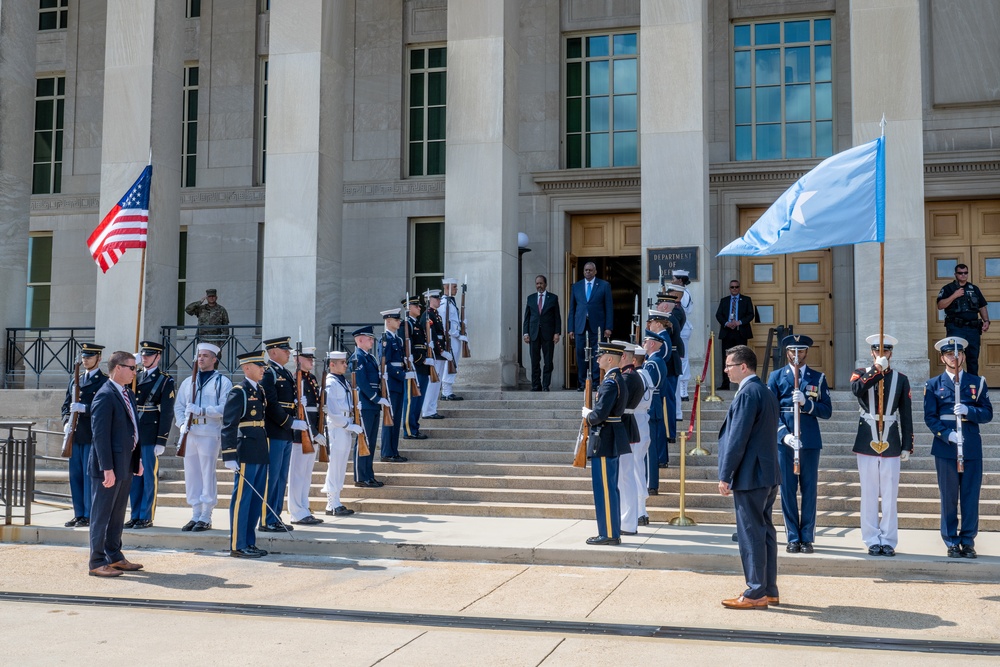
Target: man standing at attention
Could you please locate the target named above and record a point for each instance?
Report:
(590, 312)
(748, 469)
(541, 330)
(965, 314)
(92, 378)
(209, 312)
(735, 314)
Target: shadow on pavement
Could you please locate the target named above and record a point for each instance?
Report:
(182, 582)
(867, 616)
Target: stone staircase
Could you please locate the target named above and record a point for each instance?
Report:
(508, 453)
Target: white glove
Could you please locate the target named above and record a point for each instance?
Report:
(78, 407)
(447, 355)
(464, 339)
(411, 375)
(68, 428)
(882, 362)
(385, 402)
(428, 362)
(585, 411)
(232, 465)
(299, 425)
(791, 441)
(953, 438)
(159, 449)
(961, 409)
(410, 359)
(798, 397)
(904, 455)
(355, 428)
(193, 409)
(320, 440)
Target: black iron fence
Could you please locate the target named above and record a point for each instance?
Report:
(343, 341)
(180, 344)
(773, 352)
(17, 470)
(44, 357)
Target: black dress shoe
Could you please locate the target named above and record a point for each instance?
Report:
(376, 484)
(188, 527)
(399, 459)
(967, 551)
(364, 485)
(130, 523)
(452, 397)
(684, 399)
(664, 465)
(644, 521)
(954, 552)
(653, 492)
(253, 549)
(604, 540)
(888, 551)
(339, 511)
(807, 547)
(144, 523)
(545, 388)
(201, 526)
(418, 436)
(793, 547)
(434, 416)
(72, 522)
(244, 553)
(83, 522)
(629, 532)
(308, 521)
(536, 389)
(875, 550)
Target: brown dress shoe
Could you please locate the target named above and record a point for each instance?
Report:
(745, 603)
(126, 566)
(773, 599)
(105, 571)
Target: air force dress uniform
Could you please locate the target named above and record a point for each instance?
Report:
(814, 404)
(656, 369)
(367, 375)
(943, 417)
(155, 395)
(83, 439)
(395, 371)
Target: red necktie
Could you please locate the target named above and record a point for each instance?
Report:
(541, 300)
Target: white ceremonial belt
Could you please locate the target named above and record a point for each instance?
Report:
(397, 364)
(886, 419)
(149, 408)
(198, 420)
(311, 408)
(629, 411)
(950, 418)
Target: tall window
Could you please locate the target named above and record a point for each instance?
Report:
(602, 92)
(262, 126)
(426, 125)
(36, 313)
(189, 128)
(182, 276)
(53, 14)
(783, 89)
(193, 9)
(427, 268)
(50, 103)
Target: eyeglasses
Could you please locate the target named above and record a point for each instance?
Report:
(131, 368)
(731, 365)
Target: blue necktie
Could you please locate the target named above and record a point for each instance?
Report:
(588, 291)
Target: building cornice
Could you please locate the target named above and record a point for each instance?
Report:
(404, 189)
(569, 180)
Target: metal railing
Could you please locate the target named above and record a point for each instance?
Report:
(181, 342)
(17, 470)
(342, 338)
(773, 350)
(43, 356)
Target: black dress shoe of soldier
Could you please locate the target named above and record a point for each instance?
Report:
(201, 526)
(807, 547)
(888, 551)
(72, 522)
(604, 540)
(253, 549)
(130, 523)
(967, 551)
(954, 552)
(189, 526)
(793, 547)
(244, 553)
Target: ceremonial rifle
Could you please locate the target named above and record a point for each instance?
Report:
(384, 388)
(182, 440)
(582, 438)
(300, 395)
(67, 446)
(408, 352)
(447, 336)
(796, 415)
(362, 437)
(466, 352)
(429, 333)
(635, 322)
(960, 442)
(324, 451)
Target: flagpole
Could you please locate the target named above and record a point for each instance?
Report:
(881, 319)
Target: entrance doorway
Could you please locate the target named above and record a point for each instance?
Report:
(613, 243)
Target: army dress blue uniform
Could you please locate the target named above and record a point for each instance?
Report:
(279, 388)
(392, 352)
(800, 527)
(79, 481)
(413, 404)
(155, 395)
(958, 488)
(366, 373)
(656, 368)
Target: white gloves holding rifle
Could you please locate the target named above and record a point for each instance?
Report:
(320, 439)
(159, 449)
(232, 465)
(882, 363)
(193, 409)
(78, 407)
(385, 402)
(961, 409)
(798, 397)
(791, 441)
(299, 425)
(585, 411)
(355, 428)
(411, 375)
(447, 355)
(904, 455)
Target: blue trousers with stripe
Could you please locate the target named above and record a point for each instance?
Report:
(143, 492)
(607, 501)
(278, 456)
(668, 395)
(79, 480)
(799, 527)
(390, 434)
(412, 405)
(364, 470)
(657, 450)
(245, 507)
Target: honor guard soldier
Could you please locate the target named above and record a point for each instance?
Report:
(279, 389)
(453, 342)
(881, 444)
(628, 463)
(155, 394)
(300, 465)
(608, 440)
(965, 314)
(367, 375)
(656, 369)
(420, 371)
(431, 320)
(244, 451)
(680, 279)
(813, 399)
(665, 326)
(395, 377)
(958, 447)
(677, 320)
(91, 379)
(641, 449)
(209, 389)
(341, 429)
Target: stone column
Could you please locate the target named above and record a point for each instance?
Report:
(481, 181)
(18, 27)
(886, 78)
(673, 146)
(309, 45)
(143, 63)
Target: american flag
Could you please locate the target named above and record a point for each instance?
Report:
(124, 226)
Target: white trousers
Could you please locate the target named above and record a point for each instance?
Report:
(336, 471)
(448, 379)
(879, 478)
(685, 376)
(641, 469)
(200, 479)
(300, 470)
(434, 390)
(628, 494)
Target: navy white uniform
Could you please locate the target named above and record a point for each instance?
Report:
(431, 319)
(339, 416)
(83, 439)
(450, 319)
(245, 441)
(391, 347)
(685, 303)
(628, 463)
(300, 464)
(155, 393)
(279, 388)
(608, 440)
(367, 374)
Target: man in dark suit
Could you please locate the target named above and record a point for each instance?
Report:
(590, 312)
(542, 328)
(114, 458)
(748, 468)
(735, 314)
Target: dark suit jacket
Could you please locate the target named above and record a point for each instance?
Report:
(748, 442)
(599, 309)
(546, 324)
(745, 313)
(88, 390)
(114, 434)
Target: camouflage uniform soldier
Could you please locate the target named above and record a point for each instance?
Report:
(209, 312)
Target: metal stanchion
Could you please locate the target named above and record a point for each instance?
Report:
(711, 352)
(698, 449)
(682, 519)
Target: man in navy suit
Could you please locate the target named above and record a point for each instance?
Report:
(542, 328)
(813, 399)
(590, 312)
(945, 417)
(735, 313)
(114, 458)
(748, 468)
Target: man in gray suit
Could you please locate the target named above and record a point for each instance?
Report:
(748, 468)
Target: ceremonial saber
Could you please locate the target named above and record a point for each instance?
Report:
(958, 418)
(268, 507)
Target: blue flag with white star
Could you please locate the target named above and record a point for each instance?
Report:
(840, 202)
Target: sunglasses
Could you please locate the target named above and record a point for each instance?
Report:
(961, 273)
(131, 368)
(734, 287)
